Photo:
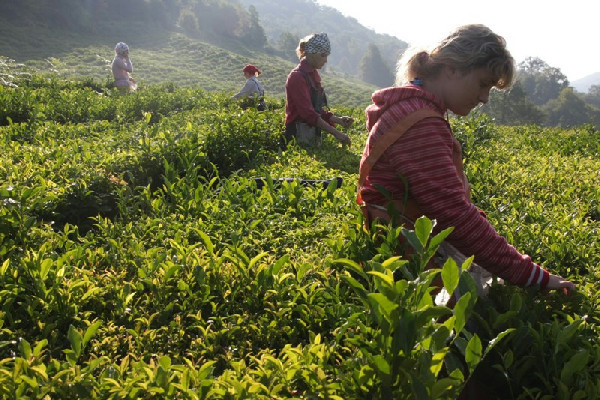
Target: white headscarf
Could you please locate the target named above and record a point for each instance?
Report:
(318, 44)
(121, 48)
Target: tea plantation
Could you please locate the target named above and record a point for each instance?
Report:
(140, 258)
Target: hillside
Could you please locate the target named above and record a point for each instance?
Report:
(159, 54)
(349, 39)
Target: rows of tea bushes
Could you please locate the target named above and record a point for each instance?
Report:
(140, 257)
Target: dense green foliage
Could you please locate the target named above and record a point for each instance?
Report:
(140, 259)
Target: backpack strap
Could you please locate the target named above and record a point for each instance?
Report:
(315, 94)
(387, 140)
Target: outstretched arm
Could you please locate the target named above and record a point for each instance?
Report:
(342, 137)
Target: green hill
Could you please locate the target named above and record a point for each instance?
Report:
(350, 40)
(159, 55)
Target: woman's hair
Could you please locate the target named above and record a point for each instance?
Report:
(467, 48)
(301, 49)
(314, 43)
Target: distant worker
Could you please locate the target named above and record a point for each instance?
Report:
(306, 113)
(122, 68)
(420, 171)
(253, 92)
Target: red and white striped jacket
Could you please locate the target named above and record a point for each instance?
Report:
(423, 159)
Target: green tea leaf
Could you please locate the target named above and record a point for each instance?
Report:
(437, 240)
(91, 331)
(351, 265)
(207, 242)
(442, 386)
(450, 275)
(575, 364)
(413, 239)
(565, 335)
(4, 267)
(45, 267)
(25, 348)
(386, 305)
(516, 302)
(165, 362)
(381, 364)
(388, 279)
(423, 227)
(497, 340)
(461, 312)
(39, 346)
(473, 353)
(356, 285)
(76, 340)
(405, 333)
(256, 258)
(280, 264)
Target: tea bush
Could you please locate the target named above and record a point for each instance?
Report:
(140, 258)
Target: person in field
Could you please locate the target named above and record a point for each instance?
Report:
(412, 152)
(122, 68)
(306, 113)
(253, 91)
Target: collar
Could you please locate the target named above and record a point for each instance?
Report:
(305, 66)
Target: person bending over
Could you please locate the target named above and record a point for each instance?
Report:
(422, 170)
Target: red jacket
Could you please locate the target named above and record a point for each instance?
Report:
(425, 156)
(298, 106)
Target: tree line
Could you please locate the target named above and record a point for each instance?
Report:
(542, 95)
(206, 19)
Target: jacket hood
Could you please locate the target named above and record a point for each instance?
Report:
(385, 98)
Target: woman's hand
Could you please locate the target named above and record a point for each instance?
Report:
(342, 137)
(557, 282)
(343, 121)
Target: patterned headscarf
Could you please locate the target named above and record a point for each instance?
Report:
(121, 48)
(318, 44)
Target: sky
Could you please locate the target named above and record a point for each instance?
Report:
(564, 34)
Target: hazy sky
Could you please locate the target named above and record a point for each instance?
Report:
(565, 35)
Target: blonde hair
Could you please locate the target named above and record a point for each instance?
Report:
(301, 49)
(467, 48)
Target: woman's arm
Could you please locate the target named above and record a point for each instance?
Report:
(342, 137)
(128, 66)
(123, 64)
(343, 121)
(247, 91)
(424, 156)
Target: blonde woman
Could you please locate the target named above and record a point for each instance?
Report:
(422, 169)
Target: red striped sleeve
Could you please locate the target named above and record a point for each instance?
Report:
(424, 157)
